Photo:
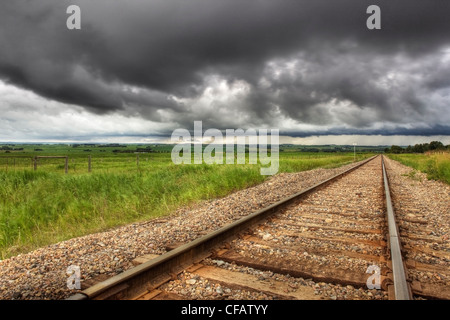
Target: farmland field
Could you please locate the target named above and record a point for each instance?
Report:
(436, 166)
(44, 206)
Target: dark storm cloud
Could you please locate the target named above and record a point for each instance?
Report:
(438, 130)
(313, 62)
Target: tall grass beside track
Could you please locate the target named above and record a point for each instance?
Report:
(436, 166)
(41, 207)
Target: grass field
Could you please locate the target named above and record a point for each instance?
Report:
(436, 166)
(46, 206)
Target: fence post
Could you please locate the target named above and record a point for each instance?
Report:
(89, 164)
(137, 160)
(66, 165)
(35, 163)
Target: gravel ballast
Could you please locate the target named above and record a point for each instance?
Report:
(41, 274)
(422, 208)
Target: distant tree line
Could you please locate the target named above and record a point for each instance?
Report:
(146, 149)
(10, 149)
(83, 145)
(340, 149)
(418, 148)
(110, 145)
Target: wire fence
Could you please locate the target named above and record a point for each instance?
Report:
(78, 164)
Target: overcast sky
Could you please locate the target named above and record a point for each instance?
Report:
(138, 69)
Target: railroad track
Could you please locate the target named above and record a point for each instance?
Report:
(340, 231)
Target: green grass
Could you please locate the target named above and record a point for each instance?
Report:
(307, 161)
(46, 206)
(40, 208)
(436, 166)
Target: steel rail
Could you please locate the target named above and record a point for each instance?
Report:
(135, 281)
(401, 288)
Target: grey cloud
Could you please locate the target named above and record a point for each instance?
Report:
(422, 131)
(170, 48)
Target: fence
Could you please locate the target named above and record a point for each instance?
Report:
(24, 162)
(66, 165)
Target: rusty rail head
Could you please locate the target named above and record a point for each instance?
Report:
(136, 280)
